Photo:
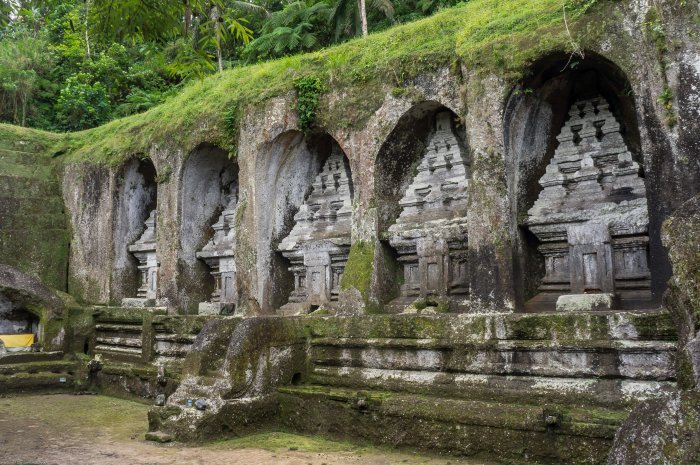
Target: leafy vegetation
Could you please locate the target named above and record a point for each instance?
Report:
(308, 89)
(74, 64)
(484, 36)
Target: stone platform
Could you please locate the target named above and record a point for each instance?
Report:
(542, 388)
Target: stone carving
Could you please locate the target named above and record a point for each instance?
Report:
(219, 254)
(430, 235)
(591, 217)
(144, 249)
(319, 244)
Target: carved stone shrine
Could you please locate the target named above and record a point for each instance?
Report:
(591, 217)
(219, 254)
(430, 234)
(144, 249)
(319, 244)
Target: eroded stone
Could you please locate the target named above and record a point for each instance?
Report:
(319, 244)
(430, 235)
(591, 216)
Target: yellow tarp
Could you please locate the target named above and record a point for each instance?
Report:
(17, 340)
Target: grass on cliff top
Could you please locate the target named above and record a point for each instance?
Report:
(495, 36)
(16, 138)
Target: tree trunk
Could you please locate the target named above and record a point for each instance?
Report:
(188, 17)
(363, 17)
(215, 17)
(87, 27)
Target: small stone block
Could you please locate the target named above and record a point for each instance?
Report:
(133, 302)
(584, 302)
(158, 436)
(215, 308)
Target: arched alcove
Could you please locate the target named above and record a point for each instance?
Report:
(285, 174)
(209, 179)
(15, 320)
(421, 176)
(546, 117)
(26, 306)
(136, 199)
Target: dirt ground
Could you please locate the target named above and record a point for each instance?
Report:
(67, 429)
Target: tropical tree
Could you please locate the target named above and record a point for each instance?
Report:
(21, 63)
(196, 28)
(350, 16)
(294, 29)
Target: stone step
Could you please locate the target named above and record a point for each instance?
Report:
(35, 245)
(466, 328)
(125, 315)
(23, 187)
(613, 392)
(118, 342)
(32, 382)
(54, 366)
(118, 352)
(19, 157)
(31, 205)
(545, 433)
(643, 360)
(118, 328)
(41, 169)
(22, 221)
(30, 357)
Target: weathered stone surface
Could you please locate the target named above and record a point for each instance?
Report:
(219, 255)
(318, 245)
(430, 235)
(144, 249)
(660, 432)
(591, 217)
(681, 234)
(28, 290)
(585, 302)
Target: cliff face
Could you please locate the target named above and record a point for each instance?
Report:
(666, 430)
(34, 231)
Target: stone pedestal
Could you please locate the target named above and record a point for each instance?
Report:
(591, 217)
(319, 243)
(585, 302)
(430, 235)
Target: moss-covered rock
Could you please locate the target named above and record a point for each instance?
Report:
(681, 234)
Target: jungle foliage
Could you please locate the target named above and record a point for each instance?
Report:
(67, 65)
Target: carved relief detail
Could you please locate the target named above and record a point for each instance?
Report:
(430, 235)
(591, 216)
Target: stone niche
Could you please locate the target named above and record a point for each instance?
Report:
(208, 200)
(219, 254)
(16, 320)
(319, 243)
(591, 217)
(137, 198)
(430, 234)
(144, 249)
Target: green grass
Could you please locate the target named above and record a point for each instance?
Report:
(496, 36)
(121, 418)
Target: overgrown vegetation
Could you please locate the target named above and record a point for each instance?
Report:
(491, 36)
(74, 64)
(308, 89)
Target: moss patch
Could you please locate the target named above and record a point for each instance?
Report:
(358, 271)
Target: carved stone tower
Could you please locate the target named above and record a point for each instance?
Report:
(591, 217)
(144, 249)
(219, 254)
(430, 234)
(319, 244)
